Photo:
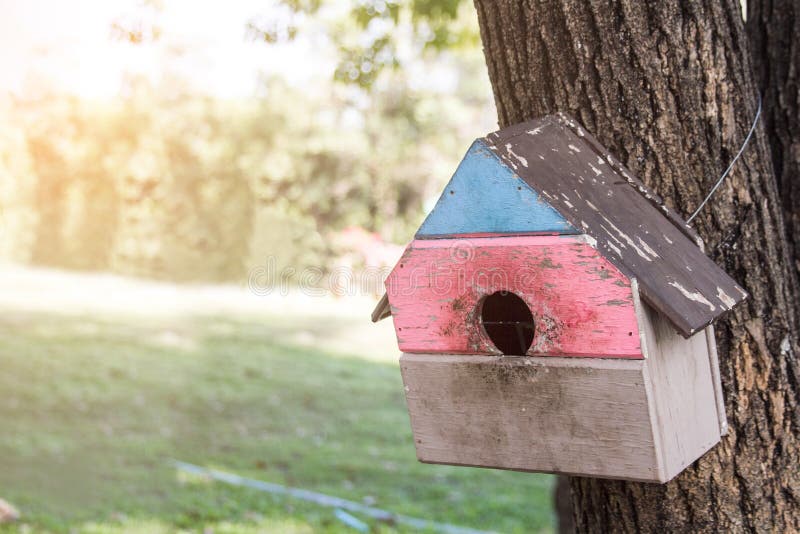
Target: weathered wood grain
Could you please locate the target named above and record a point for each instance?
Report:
(682, 381)
(719, 396)
(643, 420)
(567, 415)
(381, 310)
(582, 305)
(484, 196)
(592, 190)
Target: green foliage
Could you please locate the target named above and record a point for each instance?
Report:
(309, 6)
(362, 64)
(193, 188)
(94, 409)
(370, 33)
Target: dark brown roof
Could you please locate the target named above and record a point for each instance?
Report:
(634, 229)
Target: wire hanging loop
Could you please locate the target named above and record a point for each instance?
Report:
(724, 174)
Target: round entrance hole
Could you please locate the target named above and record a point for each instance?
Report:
(508, 322)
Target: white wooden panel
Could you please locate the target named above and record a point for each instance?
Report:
(583, 416)
(682, 390)
(713, 360)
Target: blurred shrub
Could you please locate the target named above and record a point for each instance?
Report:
(193, 188)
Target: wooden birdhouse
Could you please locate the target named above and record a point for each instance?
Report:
(555, 315)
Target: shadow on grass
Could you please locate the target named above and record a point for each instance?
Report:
(93, 409)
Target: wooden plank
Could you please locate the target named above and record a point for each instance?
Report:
(382, 310)
(648, 194)
(580, 416)
(597, 195)
(680, 386)
(582, 305)
(719, 397)
(485, 196)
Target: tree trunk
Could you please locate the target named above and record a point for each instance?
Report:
(668, 87)
(562, 500)
(774, 30)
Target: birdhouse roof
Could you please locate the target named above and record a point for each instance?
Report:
(634, 229)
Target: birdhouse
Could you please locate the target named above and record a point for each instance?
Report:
(555, 315)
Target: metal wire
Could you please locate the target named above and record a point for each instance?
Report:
(724, 174)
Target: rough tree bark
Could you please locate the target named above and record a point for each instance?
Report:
(562, 498)
(668, 87)
(774, 30)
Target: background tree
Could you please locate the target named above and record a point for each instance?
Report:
(169, 181)
(668, 87)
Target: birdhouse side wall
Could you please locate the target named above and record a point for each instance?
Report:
(582, 305)
(684, 390)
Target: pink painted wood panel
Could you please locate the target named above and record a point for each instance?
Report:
(581, 303)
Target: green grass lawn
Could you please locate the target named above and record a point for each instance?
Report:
(93, 408)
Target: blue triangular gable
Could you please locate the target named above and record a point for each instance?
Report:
(484, 196)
